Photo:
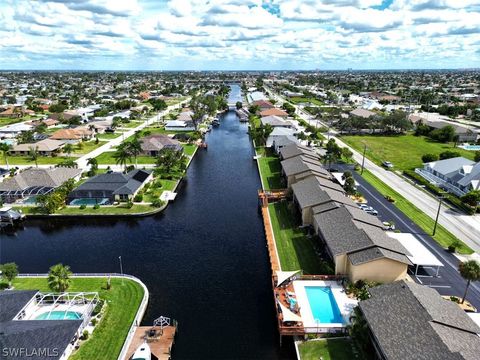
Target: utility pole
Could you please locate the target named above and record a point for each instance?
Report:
(438, 214)
(121, 267)
(363, 159)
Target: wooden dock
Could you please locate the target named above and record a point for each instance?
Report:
(160, 345)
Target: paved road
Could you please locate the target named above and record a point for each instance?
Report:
(449, 281)
(82, 161)
(464, 227)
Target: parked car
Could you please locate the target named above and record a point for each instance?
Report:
(372, 212)
(387, 164)
(389, 225)
(363, 206)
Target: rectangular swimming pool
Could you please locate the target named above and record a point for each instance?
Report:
(323, 304)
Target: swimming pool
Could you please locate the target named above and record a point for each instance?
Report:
(59, 315)
(471, 147)
(90, 201)
(323, 304)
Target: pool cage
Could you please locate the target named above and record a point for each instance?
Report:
(69, 301)
(9, 196)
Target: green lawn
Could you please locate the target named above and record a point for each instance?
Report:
(302, 99)
(295, 250)
(109, 136)
(87, 146)
(130, 125)
(9, 121)
(442, 236)
(89, 210)
(154, 192)
(123, 300)
(404, 151)
(270, 169)
(107, 158)
(189, 149)
(328, 349)
(42, 160)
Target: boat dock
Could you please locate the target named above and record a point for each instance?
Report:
(160, 344)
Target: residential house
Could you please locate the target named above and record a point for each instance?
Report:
(457, 175)
(358, 244)
(73, 136)
(14, 130)
(407, 320)
(263, 104)
(293, 150)
(465, 133)
(36, 181)
(179, 125)
(275, 112)
(114, 186)
(298, 167)
(153, 144)
(313, 191)
(281, 137)
(363, 113)
(275, 121)
(46, 147)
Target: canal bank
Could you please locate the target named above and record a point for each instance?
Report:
(204, 260)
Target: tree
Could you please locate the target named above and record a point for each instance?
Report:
(93, 166)
(238, 105)
(470, 271)
(449, 154)
(59, 278)
(472, 198)
(9, 272)
(68, 149)
(445, 134)
(25, 137)
(253, 109)
(168, 159)
(33, 153)
(349, 185)
(289, 108)
(477, 156)
(5, 148)
(347, 153)
(134, 147)
(426, 158)
(158, 104)
(122, 155)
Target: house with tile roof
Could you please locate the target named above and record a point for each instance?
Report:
(274, 112)
(153, 144)
(407, 320)
(46, 147)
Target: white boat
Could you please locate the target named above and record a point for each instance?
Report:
(142, 353)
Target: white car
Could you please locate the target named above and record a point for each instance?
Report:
(387, 164)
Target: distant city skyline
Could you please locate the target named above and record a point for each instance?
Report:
(239, 34)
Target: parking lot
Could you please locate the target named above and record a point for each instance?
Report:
(449, 281)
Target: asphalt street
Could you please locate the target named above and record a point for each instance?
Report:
(449, 281)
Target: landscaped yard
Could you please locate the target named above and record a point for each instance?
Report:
(87, 146)
(295, 249)
(301, 99)
(154, 191)
(122, 301)
(89, 210)
(107, 158)
(404, 151)
(9, 121)
(41, 160)
(109, 136)
(442, 236)
(270, 169)
(328, 349)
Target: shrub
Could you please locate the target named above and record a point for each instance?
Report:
(429, 158)
(129, 204)
(83, 206)
(477, 156)
(98, 307)
(157, 203)
(94, 321)
(84, 335)
(96, 207)
(449, 154)
(138, 198)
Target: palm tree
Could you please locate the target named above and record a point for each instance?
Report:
(59, 277)
(122, 155)
(33, 153)
(68, 149)
(470, 271)
(134, 147)
(5, 148)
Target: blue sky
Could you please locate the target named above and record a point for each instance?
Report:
(239, 34)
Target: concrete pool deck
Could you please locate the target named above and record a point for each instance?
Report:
(344, 303)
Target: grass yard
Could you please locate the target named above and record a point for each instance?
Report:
(87, 146)
(122, 301)
(10, 121)
(107, 158)
(295, 249)
(109, 136)
(154, 192)
(328, 349)
(301, 99)
(442, 236)
(26, 160)
(89, 210)
(270, 169)
(404, 151)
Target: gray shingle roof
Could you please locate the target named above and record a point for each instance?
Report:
(159, 141)
(411, 321)
(296, 149)
(32, 335)
(308, 192)
(39, 177)
(299, 164)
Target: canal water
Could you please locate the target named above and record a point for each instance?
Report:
(204, 259)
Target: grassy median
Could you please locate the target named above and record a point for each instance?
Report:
(122, 301)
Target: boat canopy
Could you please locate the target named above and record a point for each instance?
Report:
(283, 276)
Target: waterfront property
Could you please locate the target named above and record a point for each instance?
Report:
(45, 322)
(153, 144)
(35, 181)
(114, 186)
(299, 167)
(281, 137)
(410, 321)
(275, 121)
(274, 112)
(179, 125)
(457, 175)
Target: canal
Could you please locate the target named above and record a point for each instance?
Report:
(204, 259)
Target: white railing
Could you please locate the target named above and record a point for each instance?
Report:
(138, 316)
(435, 180)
